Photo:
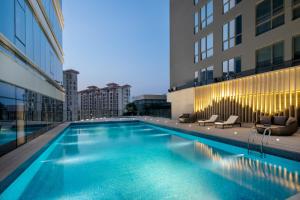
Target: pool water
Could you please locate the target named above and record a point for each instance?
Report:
(134, 160)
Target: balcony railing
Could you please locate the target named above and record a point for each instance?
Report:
(270, 67)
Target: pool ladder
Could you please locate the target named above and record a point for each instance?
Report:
(253, 135)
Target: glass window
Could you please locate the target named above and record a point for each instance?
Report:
(231, 67)
(210, 73)
(196, 25)
(7, 125)
(269, 15)
(296, 9)
(207, 44)
(271, 55)
(7, 90)
(196, 52)
(20, 23)
(229, 4)
(207, 14)
(196, 2)
(203, 75)
(296, 46)
(277, 53)
(232, 33)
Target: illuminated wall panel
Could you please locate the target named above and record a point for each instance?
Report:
(271, 93)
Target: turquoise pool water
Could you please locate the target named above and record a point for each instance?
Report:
(140, 161)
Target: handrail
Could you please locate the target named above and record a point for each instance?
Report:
(253, 133)
(262, 139)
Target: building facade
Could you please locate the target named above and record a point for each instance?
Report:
(70, 78)
(152, 105)
(109, 101)
(235, 57)
(31, 58)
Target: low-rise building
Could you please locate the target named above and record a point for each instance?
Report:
(152, 105)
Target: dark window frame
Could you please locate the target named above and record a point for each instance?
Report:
(269, 19)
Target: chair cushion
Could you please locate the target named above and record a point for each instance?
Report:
(290, 121)
(279, 120)
(185, 116)
(265, 120)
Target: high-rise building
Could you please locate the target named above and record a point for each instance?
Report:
(89, 102)
(31, 58)
(109, 101)
(71, 101)
(235, 57)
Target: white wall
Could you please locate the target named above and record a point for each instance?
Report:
(182, 101)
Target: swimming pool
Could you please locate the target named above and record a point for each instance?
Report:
(134, 160)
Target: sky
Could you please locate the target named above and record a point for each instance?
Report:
(122, 41)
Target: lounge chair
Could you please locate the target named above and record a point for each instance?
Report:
(187, 118)
(280, 125)
(212, 119)
(231, 121)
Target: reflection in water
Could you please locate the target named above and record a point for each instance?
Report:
(252, 168)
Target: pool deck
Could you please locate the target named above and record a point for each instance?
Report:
(285, 146)
(15, 162)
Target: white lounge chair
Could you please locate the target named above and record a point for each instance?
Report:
(232, 120)
(212, 119)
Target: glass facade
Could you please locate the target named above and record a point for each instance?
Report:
(232, 33)
(19, 25)
(270, 56)
(207, 46)
(269, 15)
(25, 115)
(207, 14)
(54, 22)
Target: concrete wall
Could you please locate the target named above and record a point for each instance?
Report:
(182, 101)
(182, 37)
(14, 73)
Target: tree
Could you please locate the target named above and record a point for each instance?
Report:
(130, 109)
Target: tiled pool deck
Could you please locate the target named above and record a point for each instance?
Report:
(286, 146)
(16, 161)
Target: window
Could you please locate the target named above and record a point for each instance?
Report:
(210, 73)
(271, 55)
(232, 33)
(231, 67)
(196, 52)
(207, 75)
(20, 25)
(207, 46)
(229, 4)
(207, 14)
(296, 9)
(196, 2)
(269, 15)
(296, 47)
(196, 24)
(196, 79)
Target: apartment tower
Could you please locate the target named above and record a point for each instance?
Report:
(109, 101)
(71, 101)
(31, 78)
(235, 57)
